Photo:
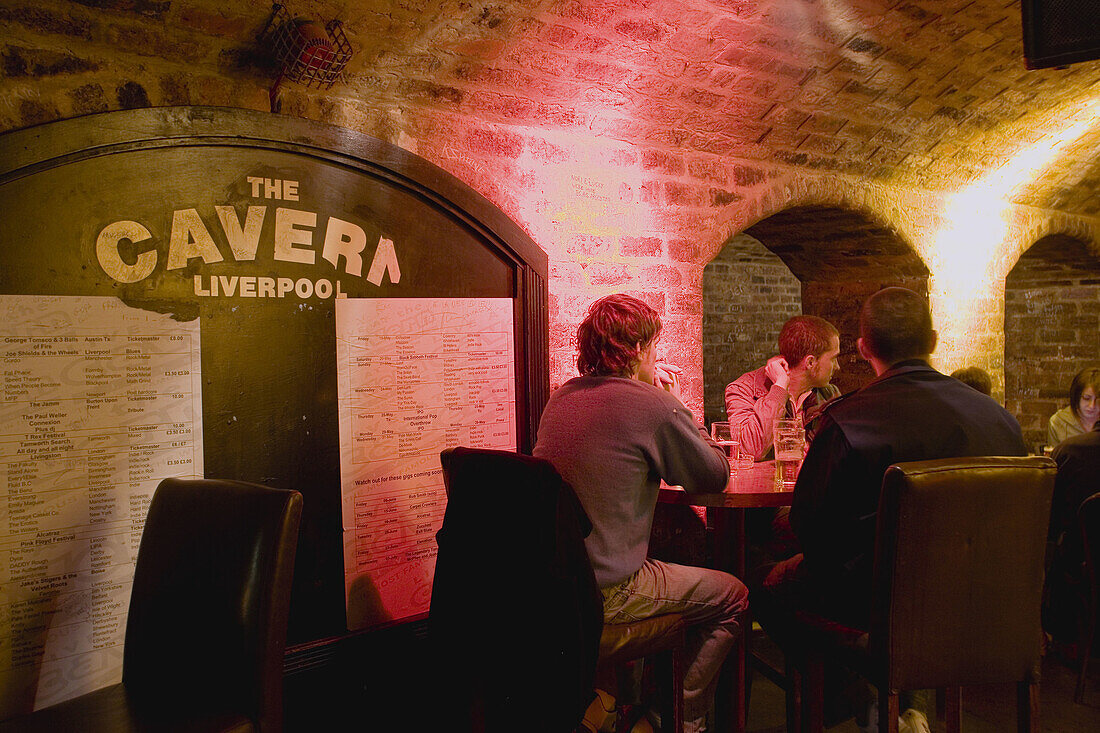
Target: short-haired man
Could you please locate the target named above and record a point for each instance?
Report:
(613, 433)
(795, 380)
(909, 412)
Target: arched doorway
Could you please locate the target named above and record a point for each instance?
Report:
(835, 258)
(1052, 328)
(748, 294)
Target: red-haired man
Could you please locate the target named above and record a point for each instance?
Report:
(796, 380)
(613, 433)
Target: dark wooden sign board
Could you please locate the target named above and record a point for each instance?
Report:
(71, 193)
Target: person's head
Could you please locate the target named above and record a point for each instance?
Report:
(894, 325)
(618, 338)
(975, 377)
(812, 344)
(1083, 393)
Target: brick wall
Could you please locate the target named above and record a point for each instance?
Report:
(748, 294)
(1052, 329)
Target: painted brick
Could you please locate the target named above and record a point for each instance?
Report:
(640, 246)
(494, 143)
(721, 197)
(132, 95)
(683, 250)
(599, 275)
(559, 35)
(34, 112)
(588, 245)
(662, 276)
(662, 162)
(641, 30)
(679, 194)
(19, 61)
(88, 98)
(41, 20)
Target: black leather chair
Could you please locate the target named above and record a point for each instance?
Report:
(207, 622)
(1088, 525)
(956, 592)
(516, 618)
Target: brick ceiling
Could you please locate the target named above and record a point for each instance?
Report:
(925, 93)
(929, 93)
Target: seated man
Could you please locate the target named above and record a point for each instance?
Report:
(909, 412)
(796, 381)
(613, 433)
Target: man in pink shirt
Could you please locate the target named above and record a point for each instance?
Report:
(795, 381)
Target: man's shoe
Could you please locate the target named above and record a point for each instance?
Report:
(601, 715)
(913, 721)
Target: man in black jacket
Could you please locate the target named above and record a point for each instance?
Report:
(909, 412)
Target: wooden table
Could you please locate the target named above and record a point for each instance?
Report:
(747, 489)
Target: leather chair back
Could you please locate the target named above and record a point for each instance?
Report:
(516, 614)
(1088, 526)
(208, 611)
(959, 570)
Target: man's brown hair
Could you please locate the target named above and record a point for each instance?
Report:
(804, 336)
(613, 333)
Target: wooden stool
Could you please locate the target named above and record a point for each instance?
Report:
(660, 637)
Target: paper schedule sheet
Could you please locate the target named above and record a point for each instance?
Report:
(100, 402)
(415, 376)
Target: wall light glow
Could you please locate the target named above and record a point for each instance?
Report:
(581, 195)
(962, 254)
(580, 184)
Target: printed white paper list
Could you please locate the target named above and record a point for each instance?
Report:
(416, 375)
(100, 402)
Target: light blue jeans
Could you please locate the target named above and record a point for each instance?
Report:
(712, 602)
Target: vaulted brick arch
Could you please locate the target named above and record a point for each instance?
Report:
(1052, 327)
(816, 259)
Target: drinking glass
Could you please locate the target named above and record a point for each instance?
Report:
(723, 435)
(744, 460)
(790, 441)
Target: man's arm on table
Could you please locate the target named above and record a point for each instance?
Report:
(752, 418)
(687, 456)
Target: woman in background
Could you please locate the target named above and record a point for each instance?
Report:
(1080, 416)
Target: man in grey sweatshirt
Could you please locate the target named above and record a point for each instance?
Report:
(613, 433)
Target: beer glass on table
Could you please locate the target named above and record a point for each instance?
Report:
(722, 433)
(790, 439)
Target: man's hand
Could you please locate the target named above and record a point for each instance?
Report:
(667, 377)
(783, 571)
(777, 370)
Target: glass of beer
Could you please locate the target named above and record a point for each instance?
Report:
(723, 436)
(790, 441)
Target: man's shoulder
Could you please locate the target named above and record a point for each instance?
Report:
(609, 391)
(754, 379)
